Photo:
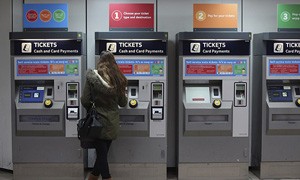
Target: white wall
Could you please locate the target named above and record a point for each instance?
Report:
(5, 101)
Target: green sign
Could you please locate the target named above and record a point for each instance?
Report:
(288, 16)
(240, 69)
(158, 69)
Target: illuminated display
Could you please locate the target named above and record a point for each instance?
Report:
(141, 67)
(47, 67)
(215, 67)
(27, 95)
(284, 67)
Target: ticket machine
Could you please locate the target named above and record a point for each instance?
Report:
(213, 105)
(140, 150)
(276, 113)
(47, 70)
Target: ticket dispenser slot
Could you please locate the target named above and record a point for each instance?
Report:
(133, 92)
(240, 94)
(157, 101)
(72, 101)
(215, 92)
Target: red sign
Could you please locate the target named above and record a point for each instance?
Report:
(33, 69)
(131, 17)
(125, 68)
(201, 69)
(284, 69)
(31, 15)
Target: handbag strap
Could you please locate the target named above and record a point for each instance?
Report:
(92, 95)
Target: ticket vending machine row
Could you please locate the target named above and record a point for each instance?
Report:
(213, 105)
(140, 152)
(47, 69)
(276, 111)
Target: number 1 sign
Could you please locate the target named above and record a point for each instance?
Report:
(131, 17)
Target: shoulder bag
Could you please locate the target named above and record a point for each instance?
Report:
(89, 128)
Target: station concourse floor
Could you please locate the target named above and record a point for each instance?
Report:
(7, 175)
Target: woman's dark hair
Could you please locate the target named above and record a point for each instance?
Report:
(110, 72)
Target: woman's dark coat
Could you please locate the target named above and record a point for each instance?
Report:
(107, 100)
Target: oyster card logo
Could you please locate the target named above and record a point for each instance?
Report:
(26, 48)
(278, 48)
(111, 47)
(195, 48)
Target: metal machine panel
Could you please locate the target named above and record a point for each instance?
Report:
(204, 118)
(135, 120)
(215, 131)
(43, 65)
(276, 117)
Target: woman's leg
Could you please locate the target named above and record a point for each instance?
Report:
(101, 164)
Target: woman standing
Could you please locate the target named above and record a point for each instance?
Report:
(108, 85)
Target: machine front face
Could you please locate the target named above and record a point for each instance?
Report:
(142, 143)
(281, 85)
(213, 100)
(276, 114)
(46, 85)
(47, 95)
(214, 93)
(282, 97)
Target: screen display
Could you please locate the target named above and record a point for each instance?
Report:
(141, 67)
(215, 67)
(157, 87)
(27, 95)
(31, 94)
(284, 67)
(47, 67)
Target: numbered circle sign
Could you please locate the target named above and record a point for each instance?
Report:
(200, 15)
(285, 16)
(116, 15)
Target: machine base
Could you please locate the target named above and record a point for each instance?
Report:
(279, 170)
(138, 171)
(53, 171)
(213, 171)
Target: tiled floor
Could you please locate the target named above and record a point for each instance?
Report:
(4, 175)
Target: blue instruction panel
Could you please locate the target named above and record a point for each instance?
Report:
(31, 94)
(141, 67)
(47, 67)
(284, 67)
(45, 16)
(215, 67)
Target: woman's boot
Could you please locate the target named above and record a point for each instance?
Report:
(93, 177)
